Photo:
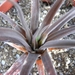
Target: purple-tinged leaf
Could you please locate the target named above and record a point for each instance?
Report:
(16, 72)
(48, 64)
(21, 30)
(18, 47)
(17, 65)
(22, 19)
(34, 15)
(52, 12)
(64, 19)
(61, 21)
(13, 40)
(58, 44)
(28, 63)
(61, 33)
(35, 39)
(40, 67)
(9, 33)
(58, 24)
(48, 18)
(13, 24)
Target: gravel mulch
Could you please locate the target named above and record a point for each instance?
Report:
(64, 59)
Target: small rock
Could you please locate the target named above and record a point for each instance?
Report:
(3, 62)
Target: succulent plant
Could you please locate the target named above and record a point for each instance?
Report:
(37, 40)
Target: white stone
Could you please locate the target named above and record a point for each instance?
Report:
(3, 62)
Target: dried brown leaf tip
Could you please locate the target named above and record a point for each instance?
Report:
(34, 40)
(73, 2)
(70, 2)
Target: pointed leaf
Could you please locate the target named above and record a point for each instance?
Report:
(18, 47)
(36, 38)
(40, 67)
(52, 12)
(17, 65)
(13, 24)
(27, 66)
(9, 34)
(34, 14)
(49, 17)
(61, 33)
(58, 24)
(64, 19)
(19, 12)
(21, 30)
(48, 64)
(58, 44)
(22, 19)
